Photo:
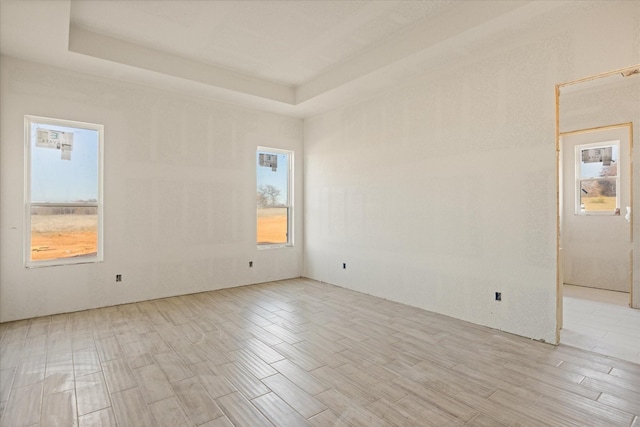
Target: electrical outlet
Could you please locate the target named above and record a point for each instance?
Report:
(250, 263)
(344, 265)
(118, 277)
(498, 296)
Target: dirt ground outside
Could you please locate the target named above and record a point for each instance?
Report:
(63, 236)
(599, 203)
(272, 226)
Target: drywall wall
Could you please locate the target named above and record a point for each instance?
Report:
(608, 102)
(443, 191)
(179, 193)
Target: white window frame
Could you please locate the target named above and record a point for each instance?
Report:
(290, 198)
(580, 179)
(99, 205)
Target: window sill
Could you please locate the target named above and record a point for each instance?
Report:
(274, 246)
(63, 261)
(597, 213)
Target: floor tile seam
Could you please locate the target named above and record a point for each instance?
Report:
(286, 403)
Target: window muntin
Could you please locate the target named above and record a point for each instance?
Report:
(274, 205)
(63, 192)
(597, 178)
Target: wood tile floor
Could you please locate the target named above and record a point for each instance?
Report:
(601, 321)
(297, 353)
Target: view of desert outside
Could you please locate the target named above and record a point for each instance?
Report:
(63, 190)
(72, 235)
(599, 203)
(63, 236)
(66, 232)
(272, 197)
(272, 226)
(598, 187)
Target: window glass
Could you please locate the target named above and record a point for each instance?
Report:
(597, 181)
(273, 171)
(55, 178)
(63, 232)
(63, 194)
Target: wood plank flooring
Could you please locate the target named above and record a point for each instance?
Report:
(298, 353)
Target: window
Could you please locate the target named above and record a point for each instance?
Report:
(274, 189)
(63, 192)
(597, 178)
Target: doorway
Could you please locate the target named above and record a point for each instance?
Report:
(596, 237)
(596, 197)
(585, 109)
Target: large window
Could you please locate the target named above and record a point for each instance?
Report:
(597, 178)
(274, 193)
(63, 192)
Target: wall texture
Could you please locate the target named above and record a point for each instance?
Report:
(443, 191)
(437, 194)
(179, 193)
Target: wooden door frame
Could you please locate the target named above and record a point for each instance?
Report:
(559, 275)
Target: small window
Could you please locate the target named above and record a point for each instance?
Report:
(597, 178)
(274, 205)
(63, 192)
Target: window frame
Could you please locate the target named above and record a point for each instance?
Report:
(290, 198)
(29, 120)
(579, 179)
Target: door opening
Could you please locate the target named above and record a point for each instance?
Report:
(596, 196)
(587, 203)
(595, 237)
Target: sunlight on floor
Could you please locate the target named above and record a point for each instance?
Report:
(601, 321)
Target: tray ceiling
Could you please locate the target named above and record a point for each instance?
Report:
(292, 57)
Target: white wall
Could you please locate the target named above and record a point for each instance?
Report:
(179, 193)
(442, 191)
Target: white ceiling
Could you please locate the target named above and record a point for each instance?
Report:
(292, 57)
(286, 42)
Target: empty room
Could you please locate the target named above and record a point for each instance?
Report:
(319, 213)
